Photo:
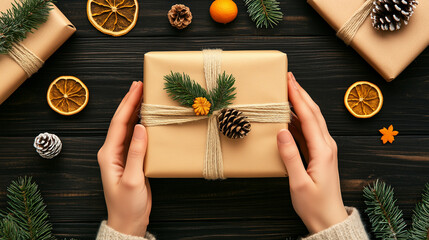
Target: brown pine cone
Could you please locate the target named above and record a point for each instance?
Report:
(180, 16)
(233, 124)
(389, 15)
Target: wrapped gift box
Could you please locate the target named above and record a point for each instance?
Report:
(43, 42)
(177, 151)
(389, 53)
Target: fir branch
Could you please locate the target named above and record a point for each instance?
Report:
(22, 18)
(182, 89)
(223, 94)
(27, 211)
(420, 227)
(264, 12)
(9, 230)
(385, 217)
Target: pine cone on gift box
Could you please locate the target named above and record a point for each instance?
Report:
(391, 14)
(180, 16)
(47, 145)
(233, 124)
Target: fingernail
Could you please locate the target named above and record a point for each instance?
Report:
(132, 85)
(139, 132)
(284, 137)
(293, 80)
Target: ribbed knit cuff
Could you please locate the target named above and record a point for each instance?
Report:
(107, 233)
(350, 229)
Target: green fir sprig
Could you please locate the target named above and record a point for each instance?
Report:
(264, 12)
(182, 89)
(27, 218)
(385, 217)
(420, 227)
(22, 18)
(223, 94)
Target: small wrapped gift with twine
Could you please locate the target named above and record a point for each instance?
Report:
(27, 57)
(182, 144)
(388, 52)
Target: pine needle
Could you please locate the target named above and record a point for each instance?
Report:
(22, 18)
(386, 218)
(27, 218)
(182, 89)
(223, 94)
(264, 12)
(420, 227)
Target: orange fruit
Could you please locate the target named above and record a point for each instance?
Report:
(67, 95)
(223, 11)
(363, 99)
(113, 17)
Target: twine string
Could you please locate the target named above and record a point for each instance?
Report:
(213, 163)
(348, 31)
(158, 115)
(25, 58)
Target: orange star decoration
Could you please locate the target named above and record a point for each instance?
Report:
(201, 106)
(388, 134)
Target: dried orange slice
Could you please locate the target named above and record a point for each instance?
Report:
(113, 17)
(363, 99)
(67, 95)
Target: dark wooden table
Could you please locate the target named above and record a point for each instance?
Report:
(195, 208)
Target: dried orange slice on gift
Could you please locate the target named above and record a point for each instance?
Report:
(363, 99)
(113, 17)
(67, 95)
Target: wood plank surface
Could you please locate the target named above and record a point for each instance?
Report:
(323, 65)
(199, 209)
(195, 208)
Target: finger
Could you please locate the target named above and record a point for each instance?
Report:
(295, 130)
(125, 98)
(149, 197)
(316, 111)
(310, 127)
(130, 130)
(134, 166)
(116, 136)
(290, 156)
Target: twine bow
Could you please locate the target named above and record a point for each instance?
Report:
(25, 58)
(158, 115)
(348, 31)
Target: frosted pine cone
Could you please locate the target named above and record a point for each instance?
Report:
(389, 15)
(48, 145)
(233, 124)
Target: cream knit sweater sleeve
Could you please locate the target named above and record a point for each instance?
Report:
(107, 233)
(350, 229)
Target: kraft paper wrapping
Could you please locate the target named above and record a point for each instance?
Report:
(177, 151)
(43, 42)
(389, 53)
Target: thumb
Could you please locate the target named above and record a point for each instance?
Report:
(136, 152)
(291, 158)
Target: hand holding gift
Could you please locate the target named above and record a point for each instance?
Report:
(315, 191)
(127, 191)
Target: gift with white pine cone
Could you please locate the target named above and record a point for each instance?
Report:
(388, 34)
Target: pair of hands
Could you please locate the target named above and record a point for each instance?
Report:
(316, 194)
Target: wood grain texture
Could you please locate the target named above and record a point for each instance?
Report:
(199, 209)
(323, 65)
(195, 208)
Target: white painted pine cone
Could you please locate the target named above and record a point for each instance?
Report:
(48, 145)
